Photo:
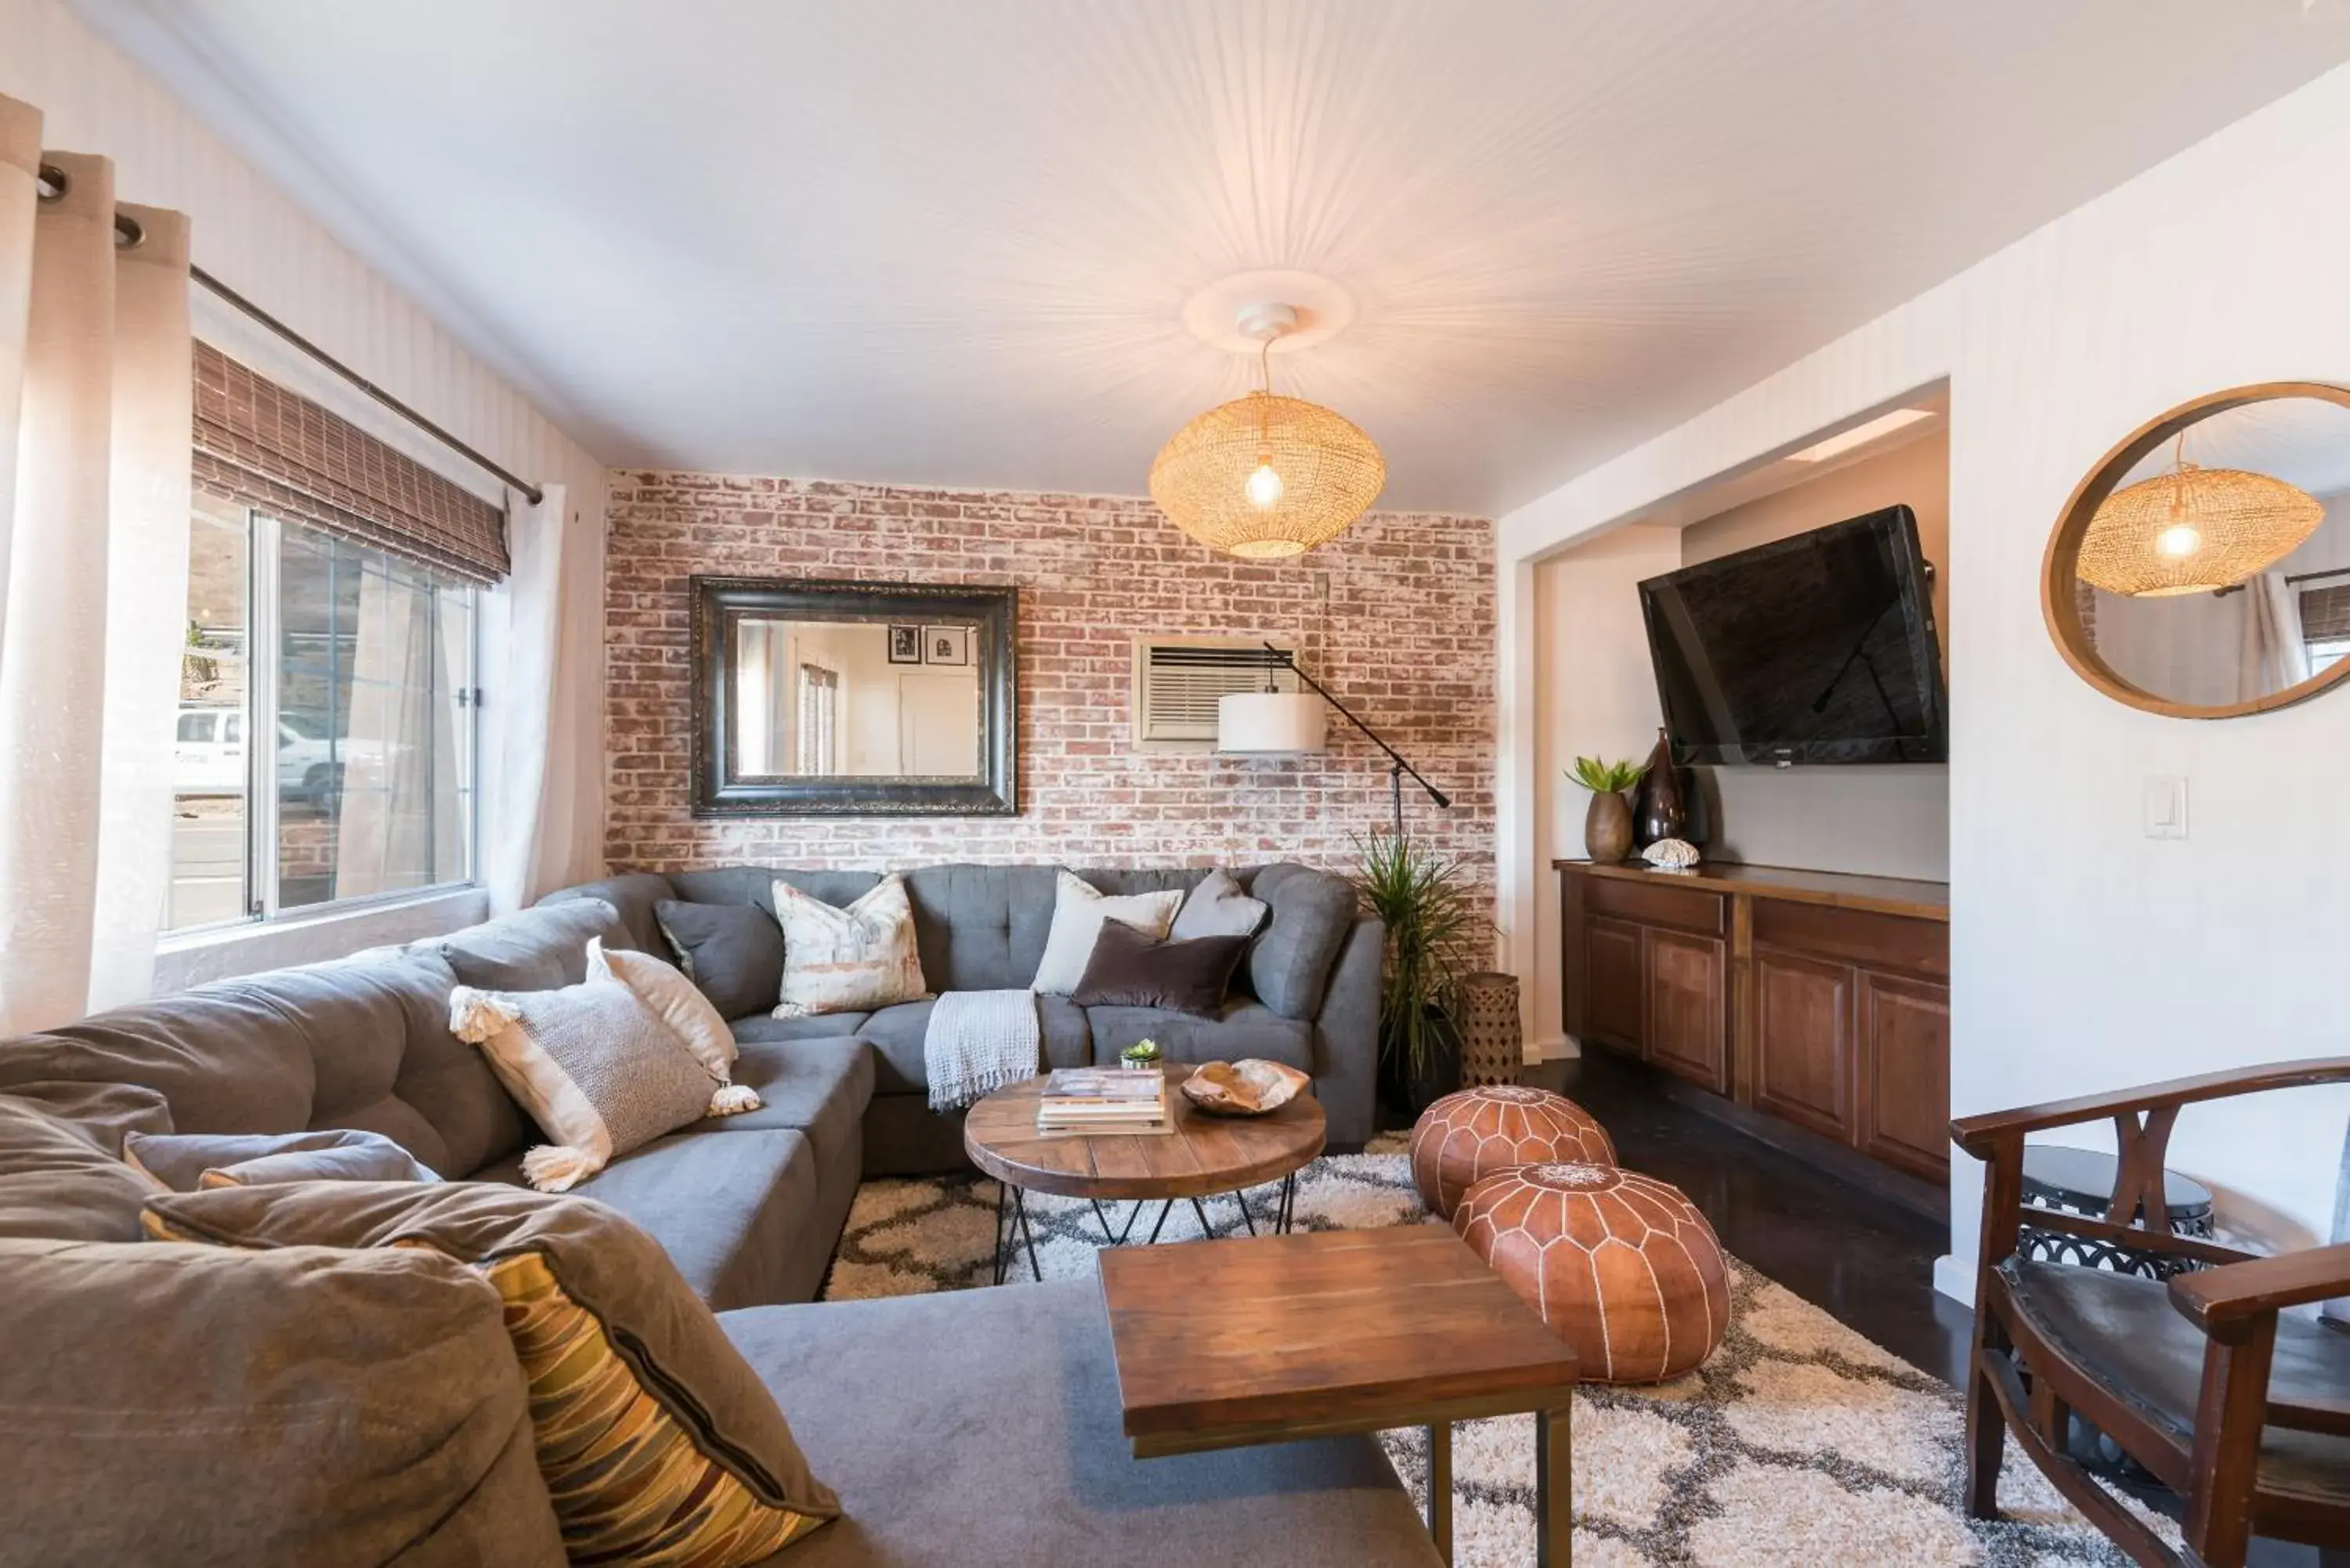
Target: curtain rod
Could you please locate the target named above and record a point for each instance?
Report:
(229, 297)
(51, 183)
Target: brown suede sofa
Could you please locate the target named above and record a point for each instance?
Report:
(973, 1427)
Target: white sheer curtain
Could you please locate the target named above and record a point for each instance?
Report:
(526, 772)
(87, 343)
(398, 824)
(2274, 655)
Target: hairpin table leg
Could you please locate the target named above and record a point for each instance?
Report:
(1020, 1215)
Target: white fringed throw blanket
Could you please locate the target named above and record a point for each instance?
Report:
(978, 1041)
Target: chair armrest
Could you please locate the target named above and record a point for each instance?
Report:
(2219, 1301)
(1976, 1134)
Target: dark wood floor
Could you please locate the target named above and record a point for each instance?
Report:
(1865, 1259)
(1868, 1261)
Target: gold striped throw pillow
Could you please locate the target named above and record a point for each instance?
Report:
(628, 1484)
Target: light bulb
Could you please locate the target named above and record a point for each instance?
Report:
(1263, 487)
(2178, 541)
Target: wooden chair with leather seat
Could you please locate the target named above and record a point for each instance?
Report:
(2245, 1413)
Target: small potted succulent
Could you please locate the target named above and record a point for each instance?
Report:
(1139, 1057)
(1607, 822)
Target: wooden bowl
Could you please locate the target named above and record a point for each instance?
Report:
(1248, 1088)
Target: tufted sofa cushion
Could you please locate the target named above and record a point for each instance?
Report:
(1290, 965)
(360, 1042)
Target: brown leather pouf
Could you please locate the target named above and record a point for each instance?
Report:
(1465, 1137)
(1620, 1265)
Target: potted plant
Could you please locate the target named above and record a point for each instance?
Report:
(1427, 911)
(1608, 822)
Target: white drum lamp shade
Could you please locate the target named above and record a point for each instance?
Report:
(1270, 723)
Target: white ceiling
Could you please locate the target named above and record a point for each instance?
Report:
(941, 240)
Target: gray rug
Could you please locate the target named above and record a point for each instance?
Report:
(1800, 1443)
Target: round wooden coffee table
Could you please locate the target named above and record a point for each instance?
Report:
(1202, 1157)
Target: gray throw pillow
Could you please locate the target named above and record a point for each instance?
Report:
(1129, 969)
(186, 1161)
(538, 949)
(210, 1409)
(1217, 907)
(734, 952)
(622, 1357)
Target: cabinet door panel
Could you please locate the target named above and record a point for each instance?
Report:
(1803, 1041)
(1687, 1017)
(1611, 1007)
(1905, 1063)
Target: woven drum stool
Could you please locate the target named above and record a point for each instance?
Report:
(1492, 1040)
(1620, 1265)
(1472, 1133)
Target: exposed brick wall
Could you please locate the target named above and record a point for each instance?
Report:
(1407, 643)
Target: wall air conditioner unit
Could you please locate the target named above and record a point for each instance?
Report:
(1178, 681)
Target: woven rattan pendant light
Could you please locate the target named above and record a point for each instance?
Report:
(2194, 530)
(1264, 477)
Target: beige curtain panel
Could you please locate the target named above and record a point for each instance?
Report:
(261, 445)
(94, 412)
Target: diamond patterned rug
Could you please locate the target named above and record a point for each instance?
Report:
(1800, 1443)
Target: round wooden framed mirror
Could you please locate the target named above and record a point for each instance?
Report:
(2201, 570)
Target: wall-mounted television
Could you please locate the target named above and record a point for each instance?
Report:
(1815, 648)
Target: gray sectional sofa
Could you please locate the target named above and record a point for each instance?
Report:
(971, 1429)
(1308, 994)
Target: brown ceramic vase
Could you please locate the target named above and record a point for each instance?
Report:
(1607, 828)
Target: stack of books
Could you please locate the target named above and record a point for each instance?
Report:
(1103, 1100)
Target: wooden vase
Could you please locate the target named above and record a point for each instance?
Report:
(1607, 828)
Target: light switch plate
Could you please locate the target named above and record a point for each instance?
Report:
(2165, 806)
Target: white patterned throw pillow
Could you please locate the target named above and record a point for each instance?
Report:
(849, 961)
(1078, 912)
(595, 1067)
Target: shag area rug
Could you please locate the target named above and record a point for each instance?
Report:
(1800, 1443)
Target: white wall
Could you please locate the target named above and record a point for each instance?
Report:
(1596, 695)
(2085, 955)
(259, 242)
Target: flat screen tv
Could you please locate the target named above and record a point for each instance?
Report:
(1814, 649)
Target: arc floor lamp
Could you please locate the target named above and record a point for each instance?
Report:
(1274, 723)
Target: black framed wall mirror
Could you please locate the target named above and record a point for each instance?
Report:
(829, 699)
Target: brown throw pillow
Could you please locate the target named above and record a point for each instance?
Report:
(658, 1441)
(1128, 968)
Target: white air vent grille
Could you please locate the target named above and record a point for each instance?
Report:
(1177, 680)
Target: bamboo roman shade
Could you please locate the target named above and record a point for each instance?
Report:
(2325, 614)
(258, 444)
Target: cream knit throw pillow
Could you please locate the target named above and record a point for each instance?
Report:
(671, 994)
(594, 1067)
(849, 961)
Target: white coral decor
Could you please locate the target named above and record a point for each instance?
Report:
(1671, 855)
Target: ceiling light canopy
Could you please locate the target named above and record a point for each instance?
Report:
(2194, 530)
(1265, 477)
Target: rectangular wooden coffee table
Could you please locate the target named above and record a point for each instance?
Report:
(1222, 1344)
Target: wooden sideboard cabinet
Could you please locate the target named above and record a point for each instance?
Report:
(1820, 1000)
